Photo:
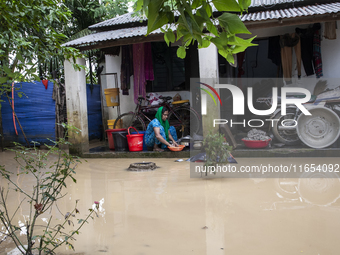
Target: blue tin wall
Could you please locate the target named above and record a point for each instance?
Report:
(36, 113)
(94, 112)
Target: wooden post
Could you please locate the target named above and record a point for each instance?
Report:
(16, 117)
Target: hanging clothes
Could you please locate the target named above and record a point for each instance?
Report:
(274, 50)
(126, 69)
(310, 48)
(139, 71)
(306, 37)
(240, 70)
(149, 76)
(317, 54)
(287, 43)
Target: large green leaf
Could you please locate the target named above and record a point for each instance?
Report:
(169, 36)
(7, 70)
(211, 28)
(156, 18)
(244, 4)
(3, 80)
(234, 40)
(181, 52)
(233, 23)
(200, 22)
(196, 4)
(218, 42)
(205, 43)
(239, 49)
(203, 13)
(227, 5)
(207, 8)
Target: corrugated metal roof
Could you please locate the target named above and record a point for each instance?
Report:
(269, 3)
(292, 12)
(111, 35)
(257, 16)
(131, 17)
(122, 19)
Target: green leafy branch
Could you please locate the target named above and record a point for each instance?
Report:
(194, 21)
(50, 180)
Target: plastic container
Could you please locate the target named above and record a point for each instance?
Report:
(256, 144)
(135, 141)
(111, 123)
(179, 148)
(119, 139)
(112, 96)
(110, 137)
(145, 148)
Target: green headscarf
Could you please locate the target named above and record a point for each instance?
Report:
(165, 124)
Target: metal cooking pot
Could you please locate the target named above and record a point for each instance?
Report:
(185, 141)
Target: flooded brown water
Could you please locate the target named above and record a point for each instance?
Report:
(166, 212)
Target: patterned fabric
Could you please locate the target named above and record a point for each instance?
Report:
(150, 137)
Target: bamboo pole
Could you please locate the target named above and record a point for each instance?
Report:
(9, 101)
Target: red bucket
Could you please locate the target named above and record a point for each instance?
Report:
(135, 142)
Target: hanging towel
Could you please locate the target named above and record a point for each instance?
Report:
(287, 43)
(149, 76)
(317, 54)
(330, 30)
(126, 69)
(139, 71)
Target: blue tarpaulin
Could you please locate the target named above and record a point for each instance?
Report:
(36, 113)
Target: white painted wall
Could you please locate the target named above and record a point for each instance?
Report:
(330, 52)
(113, 65)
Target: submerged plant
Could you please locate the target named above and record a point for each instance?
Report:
(216, 148)
(49, 182)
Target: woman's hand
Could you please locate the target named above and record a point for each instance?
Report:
(175, 144)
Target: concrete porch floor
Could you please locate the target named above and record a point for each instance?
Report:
(100, 149)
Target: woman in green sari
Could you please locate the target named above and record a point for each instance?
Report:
(159, 132)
